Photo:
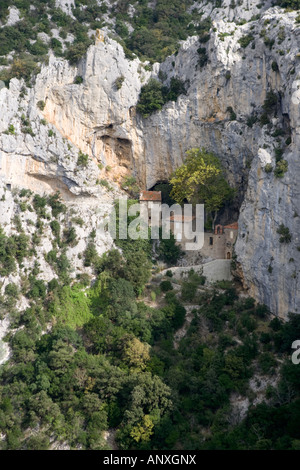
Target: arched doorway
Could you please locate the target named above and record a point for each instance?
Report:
(228, 255)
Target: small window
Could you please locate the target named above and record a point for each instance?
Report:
(8, 186)
(211, 241)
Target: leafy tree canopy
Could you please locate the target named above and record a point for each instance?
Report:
(201, 180)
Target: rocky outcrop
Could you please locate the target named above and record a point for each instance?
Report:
(240, 79)
(242, 10)
(226, 84)
(35, 155)
(4, 348)
(96, 115)
(271, 267)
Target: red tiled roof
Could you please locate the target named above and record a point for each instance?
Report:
(233, 226)
(150, 196)
(181, 218)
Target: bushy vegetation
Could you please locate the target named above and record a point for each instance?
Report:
(130, 185)
(169, 251)
(22, 38)
(281, 168)
(289, 4)
(110, 361)
(154, 95)
(285, 235)
(119, 82)
(269, 107)
(200, 179)
(246, 40)
(22, 66)
(78, 80)
(82, 159)
(151, 98)
(12, 249)
(156, 33)
(203, 57)
(268, 168)
(158, 30)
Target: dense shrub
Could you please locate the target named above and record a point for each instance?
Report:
(281, 168)
(37, 289)
(82, 159)
(54, 201)
(119, 82)
(23, 66)
(285, 235)
(188, 291)
(39, 204)
(290, 4)
(203, 56)
(154, 95)
(56, 46)
(76, 52)
(165, 286)
(245, 40)
(90, 254)
(268, 168)
(151, 98)
(41, 105)
(78, 80)
(169, 251)
(38, 48)
(156, 32)
(270, 102)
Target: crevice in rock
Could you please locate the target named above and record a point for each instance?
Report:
(54, 184)
(117, 149)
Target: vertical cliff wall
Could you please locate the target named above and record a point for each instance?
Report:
(228, 80)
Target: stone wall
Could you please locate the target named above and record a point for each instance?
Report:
(217, 270)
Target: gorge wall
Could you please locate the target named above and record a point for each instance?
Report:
(221, 111)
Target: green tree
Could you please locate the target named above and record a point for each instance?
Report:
(136, 354)
(291, 4)
(144, 430)
(201, 180)
(168, 250)
(76, 52)
(151, 98)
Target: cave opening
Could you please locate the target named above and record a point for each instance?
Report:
(165, 187)
(118, 147)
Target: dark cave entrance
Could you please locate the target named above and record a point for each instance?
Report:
(165, 187)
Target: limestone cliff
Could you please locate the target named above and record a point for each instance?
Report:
(227, 82)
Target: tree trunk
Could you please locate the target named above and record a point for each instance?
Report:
(214, 220)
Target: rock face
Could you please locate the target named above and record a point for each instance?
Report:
(4, 349)
(232, 11)
(221, 111)
(96, 115)
(270, 268)
(13, 16)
